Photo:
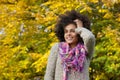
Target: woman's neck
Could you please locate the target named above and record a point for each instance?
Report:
(72, 45)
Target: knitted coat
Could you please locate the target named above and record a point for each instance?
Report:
(54, 70)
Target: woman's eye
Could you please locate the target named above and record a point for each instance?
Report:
(72, 30)
(65, 31)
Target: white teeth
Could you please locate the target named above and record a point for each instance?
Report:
(69, 38)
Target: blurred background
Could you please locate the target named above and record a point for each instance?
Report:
(27, 34)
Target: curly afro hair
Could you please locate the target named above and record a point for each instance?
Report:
(68, 18)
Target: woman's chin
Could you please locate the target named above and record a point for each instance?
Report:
(69, 42)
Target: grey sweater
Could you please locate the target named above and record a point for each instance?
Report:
(54, 70)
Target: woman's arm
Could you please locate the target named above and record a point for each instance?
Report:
(51, 64)
(88, 38)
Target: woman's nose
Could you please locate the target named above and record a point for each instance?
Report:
(69, 33)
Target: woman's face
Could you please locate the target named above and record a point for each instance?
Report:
(70, 35)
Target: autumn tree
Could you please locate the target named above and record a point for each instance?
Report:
(27, 34)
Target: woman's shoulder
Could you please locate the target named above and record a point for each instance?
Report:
(54, 49)
(55, 45)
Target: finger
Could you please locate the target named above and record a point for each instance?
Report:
(76, 20)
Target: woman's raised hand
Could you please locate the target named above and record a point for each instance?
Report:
(78, 22)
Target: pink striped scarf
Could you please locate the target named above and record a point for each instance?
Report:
(72, 58)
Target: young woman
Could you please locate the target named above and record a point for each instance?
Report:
(70, 58)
